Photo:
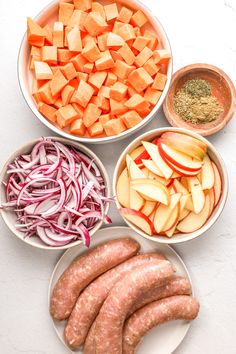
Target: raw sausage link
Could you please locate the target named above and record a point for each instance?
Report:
(179, 307)
(85, 269)
(92, 298)
(176, 286)
(109, 324)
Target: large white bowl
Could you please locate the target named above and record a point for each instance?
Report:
(48, 15)
(10, 217)
(216, 158)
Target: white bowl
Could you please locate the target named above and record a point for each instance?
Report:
(216, 158)
(48, 15)
(10, 217)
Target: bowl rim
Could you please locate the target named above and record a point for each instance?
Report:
(192, 68)
(213, 218)
(126, 133)
(80, 147)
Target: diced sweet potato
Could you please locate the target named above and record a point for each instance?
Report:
(48, 34)
(117, 25)
(101, 102)
(83, 94)
(77, 19)
(33, 59)
(130, 119)
(126, 31)
(67, 30)
(66, 115)
(47, 111)
(118, 107)
(140, 79)
(111, 11)
(151, 67)
(83, 5)
(35, 51)
(102, 42)
(122, 70)
(115, 55)
(87, 38)
(74, 83)
(91, 114)
(97, 79)
(153, 41)
(159, 82)
(143, 57)
(78, 61)
(125, 15)
(95, 129)
(78, 109)
(140, 43)
(118, 91)
(105, 62)
(45, 94)
(111, 79)
(95, 24)
(74, 40)
(66, 94)
(36, 34)
(58, 82)
(127, 54)
(137, 32)
(42, 71)
(58, 103)
(88, 67)
(58, 34)
(132, 91)
(104, 118)
(91, 52)
(152, 96)
(78, 127)
(139, 104)
(161, 56)
(68, 71)
(64, 55)
(114, 40)
(138, 19)
(82, 76)
(97, 7)
(104, 91)
(114, 127)
(65, 12)
(49, 54)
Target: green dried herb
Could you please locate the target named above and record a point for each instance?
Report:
(194, 102)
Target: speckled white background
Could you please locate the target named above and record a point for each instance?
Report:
(199, 31)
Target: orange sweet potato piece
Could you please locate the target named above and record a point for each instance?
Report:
(58, 82)
(126, 31)
(87, 38)
(115, 55)
(64, 55)
(104, 118)
(66, 115)
(83, 94)
(66, 94)
(105, 62)
(45, 94)
(47, 111)
(102, 42)
(83, 5)
(140, 79)
(91, 114)
(42, 71)
(33, 59)
(114, 40)
(95, 129)
(132, 91)
(78, 109)
(95, 24)
(153, 41)
(137, 32)
(104, 91)
(88, 67)
(152, 96)
(122, 70)
(111, 79)
(49, 54)
(151, 67)
(74, 83)
(97, 7)
(91, 52)
(78, 61)
(74, 40)
(58, 34)
(140, 43)
(65, 12)
(127, 54)
(111, 11)
(58, 103)
(130, 119)
(101, 102)
(35, 51)
(161, 56)
(82, 76)
(36, 34)
(143, 57)
(117, 25)
(118, 91)
(69, 71)
(114, 127)
(48, 34)
(97, 79)
(138, 19)
(118, 107)
(77, 127)
(77, 19)
(125, 15)
(159, 82)
(139, 104)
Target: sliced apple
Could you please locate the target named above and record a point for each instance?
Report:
(212, 201)
(138, 219)
(136, 200)
(166, 182)
(180, 171)
(179, 187)
(151, 189)
(151, 217)
(134, 171)
(217, 184)
(179, 159)
(148, 207)
(195, 221)
(184, 182)
(123, 189)
(185, 143)
(164, 212)
(183, 214)
(198, 196)
(207, 174)
(151, 166)
(153, 151)
(136, 152)
(172, 221)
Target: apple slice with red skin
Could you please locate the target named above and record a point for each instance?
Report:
(136, 200)
(136, 153)
(134, 171)
(198, 196)
(152, 190)
(151, 166)
(164, 214)
(181, 172)
(207, 174)
(212, 201)
(173, 219)
(165, 182)
(138, 219)
(142, 154)
(218, 184)
(149, 207)
(179, 159)
(123, 189)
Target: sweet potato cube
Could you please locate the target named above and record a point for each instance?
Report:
(140, 43)
(125, 15)
(118, 91)
(138, 19)
(161, 56)
(64, 55)
(46, 94)
(47, 111)
(122, 70)
(33, 59)
(126, 32)
(95, 24)
(65, 12)
(101, 102)
(104, 118)
(111, 79)
(127, 54)
(104, 91)
(137, 32)
(83, 94)
(49, 54)
(48, 33)
(78, 61)
(58, 34)
(114, 127)
(139, 104)
(130, 119)
(78, 109)
(67, 30)
(117, 25)
(91, 114)
(118, 107)
(58, 82)
(74, 83)
(97, 79)
(115, 55)
(114, 40)
(152, 96)
(140, 79)
(66, 94)
(42, 71)
(88, 68)
(132, 91)
(77, 127)
(77, 19)
(66, 115)
(35, 51)
(82, 76)
(159, 82)
(111, 11)
(36, 34)
(58, 103)
(153, 41)
(143, 56)
(151, 67)
(91, 52)
(105, 62)
(97, 7)
(74, 40)
(95, 129)
(68, 71)
(102, 42)
(87, 38)
(83, 5)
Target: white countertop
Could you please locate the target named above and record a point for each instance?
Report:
(199, 31)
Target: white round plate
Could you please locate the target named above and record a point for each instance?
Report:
(161, 340)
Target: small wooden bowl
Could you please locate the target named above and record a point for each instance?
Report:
(222, 88)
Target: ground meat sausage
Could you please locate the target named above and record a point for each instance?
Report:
(85, 269)
(91, 299)
(172, 308)
(110, 321)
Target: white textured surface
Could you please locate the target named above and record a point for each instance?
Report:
(199, 31)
